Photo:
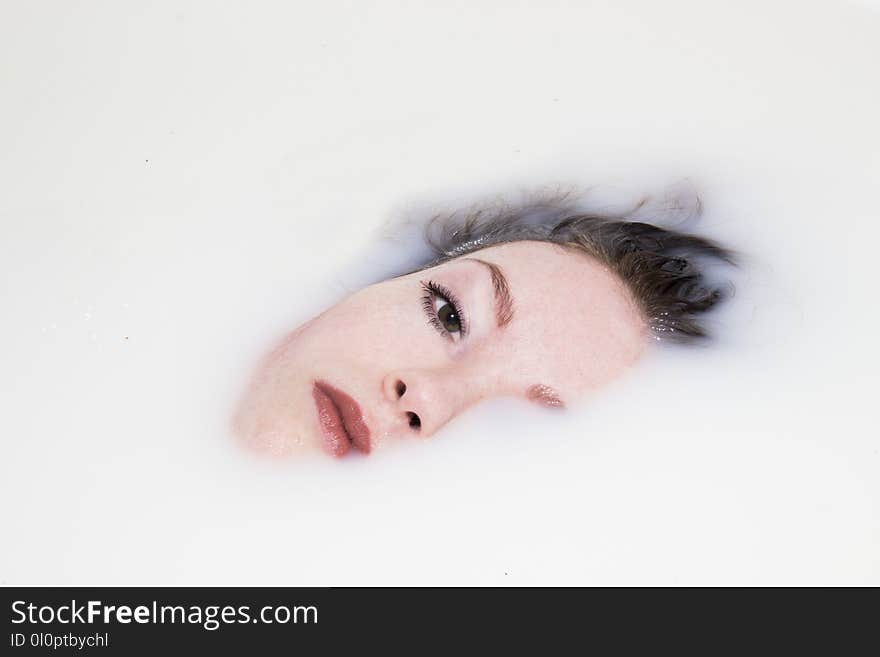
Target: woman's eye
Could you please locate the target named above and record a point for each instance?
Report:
(443, 311)
(448, 316)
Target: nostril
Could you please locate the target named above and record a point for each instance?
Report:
(400, 387)
(414, 421)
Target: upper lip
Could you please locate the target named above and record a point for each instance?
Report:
(350, 412)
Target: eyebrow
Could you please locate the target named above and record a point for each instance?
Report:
(544, 395)
(503, 298)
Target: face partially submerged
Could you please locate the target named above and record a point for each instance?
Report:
(401, 358)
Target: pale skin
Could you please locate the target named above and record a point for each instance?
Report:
(531, 320)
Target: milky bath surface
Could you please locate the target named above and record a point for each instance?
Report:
(184, 183)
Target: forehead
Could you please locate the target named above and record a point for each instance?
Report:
(575, 324)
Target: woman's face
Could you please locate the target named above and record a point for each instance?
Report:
(400, 359)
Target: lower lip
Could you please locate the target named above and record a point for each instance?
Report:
(338, 438)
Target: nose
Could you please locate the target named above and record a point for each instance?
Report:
(424, 401)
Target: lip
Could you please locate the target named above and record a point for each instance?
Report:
(341, 420)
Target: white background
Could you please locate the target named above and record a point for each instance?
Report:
(181, 183)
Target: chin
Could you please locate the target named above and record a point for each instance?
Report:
(260, 427)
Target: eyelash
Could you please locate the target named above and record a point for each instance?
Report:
(433, 291)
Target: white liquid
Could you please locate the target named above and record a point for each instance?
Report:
(183, 184)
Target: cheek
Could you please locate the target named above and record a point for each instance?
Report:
(382, 327)
(563, 353)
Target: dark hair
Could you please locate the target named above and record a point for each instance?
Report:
(663, 268)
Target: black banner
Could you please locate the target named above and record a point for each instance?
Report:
(134, 621)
